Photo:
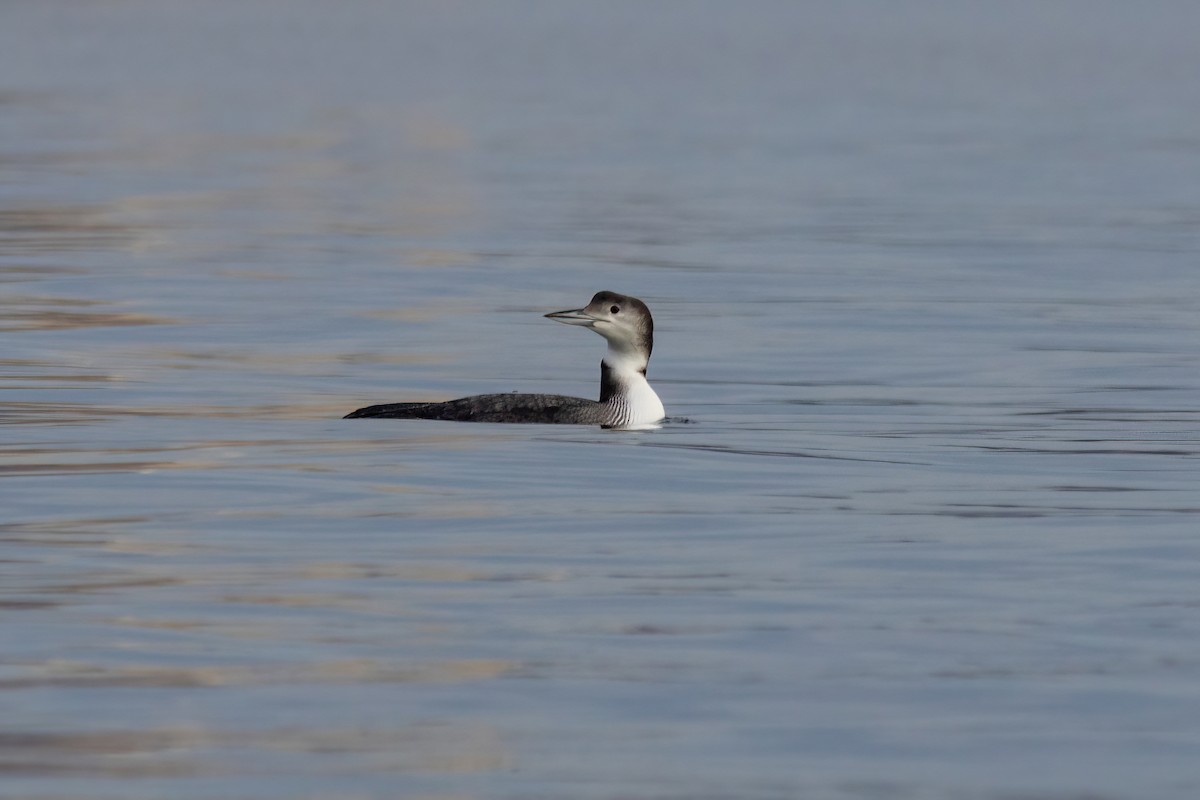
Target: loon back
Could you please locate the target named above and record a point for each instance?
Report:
(626, 398)
(538, 408)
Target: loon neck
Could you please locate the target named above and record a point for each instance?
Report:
(623, 386)
(619, 370)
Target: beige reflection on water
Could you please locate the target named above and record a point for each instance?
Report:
(183, 751)
(62, 228)
(75, 674)
(137, 561)
(32, 313)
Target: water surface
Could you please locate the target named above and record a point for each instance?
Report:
(925, 282)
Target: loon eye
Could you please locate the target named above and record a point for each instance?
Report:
(615, 310)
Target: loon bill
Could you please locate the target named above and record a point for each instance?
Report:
(626, 399)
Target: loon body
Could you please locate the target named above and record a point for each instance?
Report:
(626, 399)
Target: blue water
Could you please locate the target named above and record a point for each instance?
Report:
(925, 279)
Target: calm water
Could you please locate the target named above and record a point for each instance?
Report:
(926, 280)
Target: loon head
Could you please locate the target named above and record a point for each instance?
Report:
(624, 321)
(627, 325)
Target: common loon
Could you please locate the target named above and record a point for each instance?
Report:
(626, 399)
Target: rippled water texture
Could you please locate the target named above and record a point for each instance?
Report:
(926, 282)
